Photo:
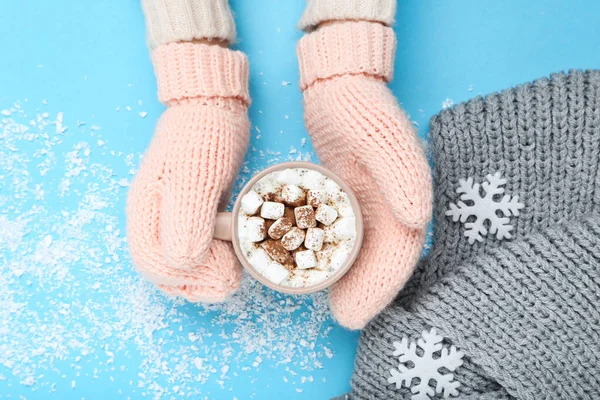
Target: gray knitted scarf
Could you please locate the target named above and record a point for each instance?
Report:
(507, 305)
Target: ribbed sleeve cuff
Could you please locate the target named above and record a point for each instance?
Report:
(189, 70)
(170, 21)
(347, 48)
(318, 11)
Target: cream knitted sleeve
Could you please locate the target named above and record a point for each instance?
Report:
(318, 11)
(171, 21)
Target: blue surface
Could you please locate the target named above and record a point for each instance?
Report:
(75, 321)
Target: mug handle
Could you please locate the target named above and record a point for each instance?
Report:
(223, 223)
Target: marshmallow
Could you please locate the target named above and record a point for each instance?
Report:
(298, 279)
(331, 186)
(251, 202)
(306, 259)
(293, 239)
(276, 273)
(293, 195)
(338, 258)
(345, 211)
(316, 276)
(342, 229)
(277, 252)
(314, 239)
(265, 186)
(325, 214)
(256, 230)
(259, 259)
(280, 228)
(289, 177)
(313, 180)
(305, 217)
(272, 210)
(315, 197)
(343, 199)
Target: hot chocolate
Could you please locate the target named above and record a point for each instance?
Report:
(296, 227)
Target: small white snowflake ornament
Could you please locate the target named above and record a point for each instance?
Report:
(426, 367)
(485, 208)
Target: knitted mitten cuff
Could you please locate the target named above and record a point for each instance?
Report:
(333, 51)
(170, 21)
(189, 70)
(318, 11)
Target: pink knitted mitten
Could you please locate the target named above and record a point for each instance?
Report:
(186, 172)
(360, 132)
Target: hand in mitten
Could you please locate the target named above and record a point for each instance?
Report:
(360, 132)
(187, 171)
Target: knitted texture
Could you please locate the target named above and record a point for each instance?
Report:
(360, 132)
(525, 312)
(186, 172)
(318, 11)
(171, 21)
(191, 71)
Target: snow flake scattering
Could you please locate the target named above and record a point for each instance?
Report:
(69, 296)
(448, 103)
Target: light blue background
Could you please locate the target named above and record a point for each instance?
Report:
(88, 57)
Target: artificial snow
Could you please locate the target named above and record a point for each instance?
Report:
(426, 367)
(447, 103)
(485, 208)
(71, 298)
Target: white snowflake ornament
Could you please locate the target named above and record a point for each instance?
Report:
(485, 208)
(426, 368)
